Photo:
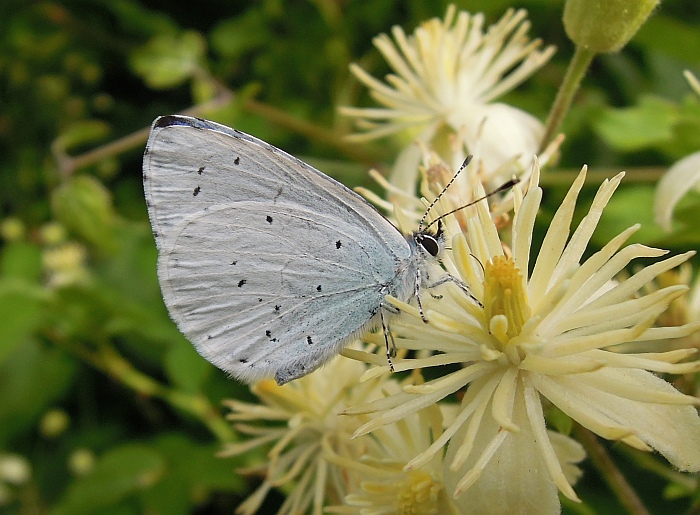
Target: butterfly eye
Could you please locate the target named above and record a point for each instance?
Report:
(429, 243)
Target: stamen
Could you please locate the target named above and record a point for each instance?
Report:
(505, 301)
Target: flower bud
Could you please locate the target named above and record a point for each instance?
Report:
(605, 26)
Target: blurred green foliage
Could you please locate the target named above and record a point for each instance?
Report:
(82, 324)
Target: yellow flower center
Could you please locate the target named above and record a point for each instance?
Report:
(418, 493)
(505, 299)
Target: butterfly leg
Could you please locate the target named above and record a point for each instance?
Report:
(416, 294)
(449, 278)
(390, 348)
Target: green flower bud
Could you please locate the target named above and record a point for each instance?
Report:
(12, 229)
(605, 25)
(54, 423)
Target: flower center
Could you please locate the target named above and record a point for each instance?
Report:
(418, 493)
(505, 300)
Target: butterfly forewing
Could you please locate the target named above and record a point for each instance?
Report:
(267, 265)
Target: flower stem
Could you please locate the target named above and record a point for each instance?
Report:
(106, 359)
(68, 164)
(609, 471)
(578, 66)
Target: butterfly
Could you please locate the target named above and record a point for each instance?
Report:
(268, 266)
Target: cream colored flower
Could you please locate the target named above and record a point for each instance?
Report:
(680, 178)
(682, 311)
(549, 333)
(306, 421)
(446, 79)
(65, 264)
(382, 485)
(15, 471)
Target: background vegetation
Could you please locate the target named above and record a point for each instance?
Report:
(108, 405)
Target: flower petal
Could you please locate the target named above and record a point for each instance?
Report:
(492, 124)
(673, 430)
(676, 182)
(515, 476)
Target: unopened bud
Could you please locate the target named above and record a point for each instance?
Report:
(605, 25)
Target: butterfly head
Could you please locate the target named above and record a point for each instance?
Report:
(431, 243)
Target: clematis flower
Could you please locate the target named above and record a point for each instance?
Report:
(446, 79)
(383, 486)
(304, 414)
(540, 334)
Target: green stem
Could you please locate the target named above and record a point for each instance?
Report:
(647, 461)
(609, 471)
(107, 360)
(578, 66)
(67, 164)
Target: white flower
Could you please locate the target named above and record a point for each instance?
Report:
(383, 486)
(65, 264)
(305, 419)
(683, 176)
(678, 180)
(550, 333)
(446, 78)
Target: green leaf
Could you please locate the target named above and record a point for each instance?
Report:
(634, 128)
(84, 206)
(119, 473)
(82, 133)
(682, 39)
(629, 206)
(686, 132)
(137, 18)
(31, 378)
(194, 473)
(185, 367)
(236, 36)
(167, 61)
(22, 306)
(22, 260)
(199, 465)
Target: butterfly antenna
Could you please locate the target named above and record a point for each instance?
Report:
(505, 186)
(425, 215)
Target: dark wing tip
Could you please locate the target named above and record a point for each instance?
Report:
(170, 120)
